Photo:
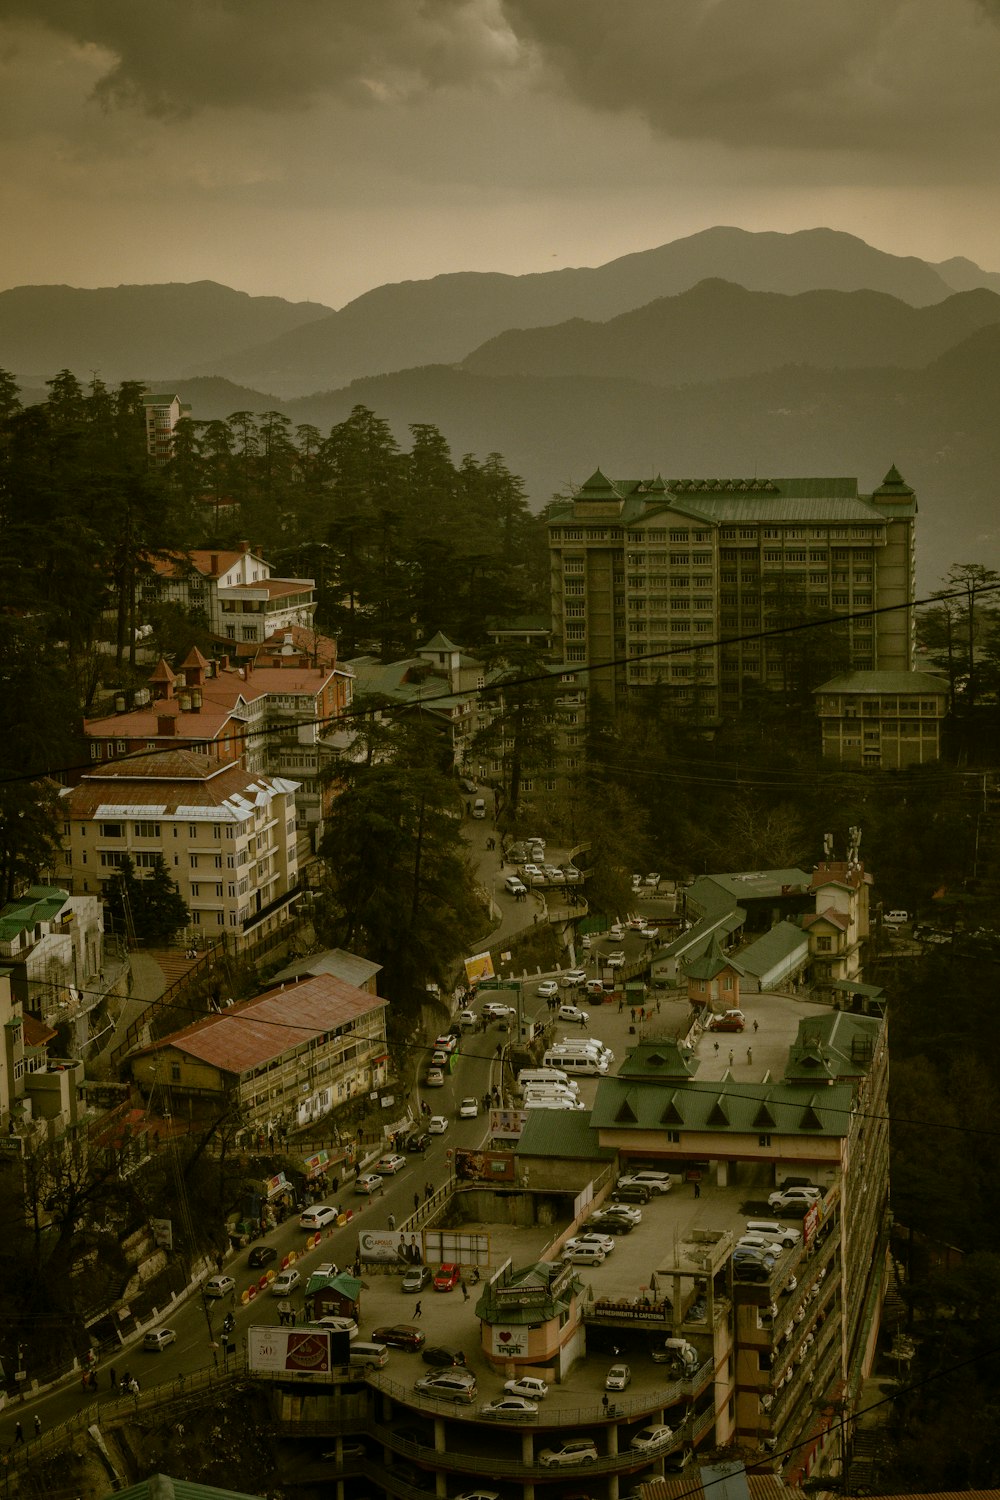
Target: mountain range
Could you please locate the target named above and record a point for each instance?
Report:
(726, 353)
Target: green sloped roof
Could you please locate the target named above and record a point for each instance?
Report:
(712, 962)
(40, 903)
(561, 1133)
(783, 939)
(734, 1109)
(837, 1045)
(165, 1487)
(440, 642)
(663, 1060)
(885, 682)
(697, 938)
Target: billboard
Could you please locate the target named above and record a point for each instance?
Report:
(391, 1247)
(479, 966)
(484, 1166)
(289, 1351)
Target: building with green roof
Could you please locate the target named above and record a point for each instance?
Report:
(882, 720)
(686, 583)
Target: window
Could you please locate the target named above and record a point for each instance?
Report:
(824, 945)
(147, 830)
(763, 1140)
(112, 830)
(110, 860)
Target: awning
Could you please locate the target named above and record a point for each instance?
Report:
(855, 987)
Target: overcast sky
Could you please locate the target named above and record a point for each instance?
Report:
(315, 148)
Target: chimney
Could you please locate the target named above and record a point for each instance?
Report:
(166, 724)
(185, 702)
(244, 546)
(196, 700)
(214, 564)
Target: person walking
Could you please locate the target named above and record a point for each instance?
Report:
(38, 1425)
(416, 1202)
(465, 1289)
(697, 1187)
(392, 1221)
(749, 1054)
(19, 1433)
(418, 1310)
(756, 1025)
(730, 1057)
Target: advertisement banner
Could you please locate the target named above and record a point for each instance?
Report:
(479, 966)
(484, 1166)
(303, 1351)
(507, 1124)
(391, 1246)
(512, 1341)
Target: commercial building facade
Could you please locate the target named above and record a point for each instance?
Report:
(677, 583)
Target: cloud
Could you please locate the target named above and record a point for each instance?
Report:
(798, 75)
(198, 54)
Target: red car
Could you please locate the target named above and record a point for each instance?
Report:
(447, 1277)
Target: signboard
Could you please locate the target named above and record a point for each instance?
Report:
(163, 1233)
(391, 1247)
(274, 1185)
(479, 966)
(289, 1351)
(509, 1341)
(484, 1166)
(507, 1124)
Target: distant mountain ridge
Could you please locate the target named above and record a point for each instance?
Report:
(719, 331)
(293, 349)
(126, 332)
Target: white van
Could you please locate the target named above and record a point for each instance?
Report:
(584, 1044)
(576, 1062)
(547, 1101)
(529, 1076)
(896, 918)
(559, 1096)
(585, 1255)
(479, 808)
(367, 1354)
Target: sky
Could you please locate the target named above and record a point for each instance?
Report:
(312, 149)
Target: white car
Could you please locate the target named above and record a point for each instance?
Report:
(390, 1165)
(794, 1198)
(508, 1408)
(219, 1286)
(653, 1181)
(437, 1125)
(572, 1451)
(494, 1011)
(319, 1216)
(156, 1341)
(336, 1324)
(468, 1109)
(649, 1438)
(617, 1378)
(571, 874)
(574, 977)
(652, 879)
(615, 960)
(285, 1282)
(760, 1242)
(603, 1242)
(586, 941)
(548, 989)
(369, 1183)
(532, 870)
(620, 1211)
(649, 931)
(574, 1013)
(552, 872)
(514, 887)
(531, 1386)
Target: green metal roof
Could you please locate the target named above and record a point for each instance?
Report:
(725, 1107)
(712, 962)
(782, 941)
(164, 1487)
(40, 903)
(561, 1133)
(662, 1060)
(837, 1045)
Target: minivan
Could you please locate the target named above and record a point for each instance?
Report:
(529, 1076)
(585, 1255)
(896, 918)
(553, 1094)
(479, 808)
(369, 1355)
(575, 1062)
(584, 1044)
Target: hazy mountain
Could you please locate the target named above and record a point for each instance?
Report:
(124, 332)
(441, 320)
(962, 275)
(717, 330)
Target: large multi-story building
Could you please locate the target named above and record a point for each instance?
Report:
(690, 584)
(226, 836)
(234, 590)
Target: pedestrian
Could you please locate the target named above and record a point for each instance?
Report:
(749, 1054)
(38, 1425)
(697, 1187)
(19, 1433)
(111, 1372)
(755, 1025)
(621, 1004)
(730, 1057)
(428, 1190)
(392, 1221)
(418, 1310)
(465, 1289)
(468, 808)
(605, 1402)
(93, 1380)
(716, 1046)
(294, 1317)
(632, 1014)
(657, 1005)
(416, 1202)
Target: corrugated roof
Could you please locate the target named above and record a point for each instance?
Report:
(41, 903)
(261, 1030)
(335, 961)
(721, 1107)
(782, 941)
(561, 1133)
(690, 1486)
(172, 783)
(165, 1487)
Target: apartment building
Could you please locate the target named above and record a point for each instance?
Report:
(234, 590)
(677, 583)
(285, 1058)
(227, 836)
(882, 720)
(163, 412)
(52, 948)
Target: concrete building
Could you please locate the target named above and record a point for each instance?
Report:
(163, 412)
(882, 720)
(227, 837)
(676, 582)
(41, 1097)
(284, 1059)
(235, 592)
(52, 946)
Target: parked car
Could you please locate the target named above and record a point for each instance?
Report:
(896, 918)
(652, 879)
(319, 1216)
(438, 1355)
(508, 1408)
(400, 1336)
(457, 1385)
(369, 1182)
(388, 1166)
(336, 1323)
(448, 1277)
(649, 931)
(437, 1125)
(729, 1020)
(417, 1278)
(760, 1242)
(219, 1286)
(628, 1191)
(798, 1198)
(158, 1339)
(603, 1242)
(648, 1439)
(531, 1386)
(617, 1378)
(468, 1109)
(325, 1268)
(647, 1177)
(261, 1255)
(573, 1013)
(620, 1211)
(548, 989)
(606, 1223)
(514, 887)
(572, 1451)
(493, 1010)
(614, 960)
(573, 978)
(285, 1282)
(418, 1141)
